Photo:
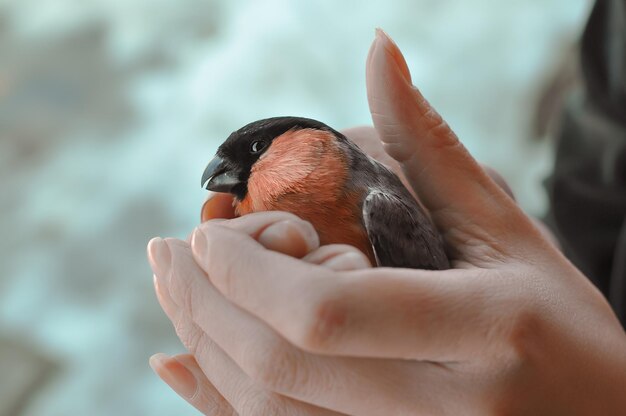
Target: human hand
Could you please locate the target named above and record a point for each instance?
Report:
(226, 389)
(513, 329)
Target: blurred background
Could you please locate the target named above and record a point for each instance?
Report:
(110, 110)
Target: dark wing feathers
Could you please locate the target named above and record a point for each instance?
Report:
(401, 234)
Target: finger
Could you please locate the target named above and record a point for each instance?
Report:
(338, 257)
(289, 238)
(335, 313)
(244, 395)
(217, 205)
(462, 199)
(166, 303)
(276, 365)
(208, 397)
(288, 234)
(279, 231)
(368, 140)
(247, 395)
(185, 377)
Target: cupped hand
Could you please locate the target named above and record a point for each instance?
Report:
(513, 329)
(210, 379)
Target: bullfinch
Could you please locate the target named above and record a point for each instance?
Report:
(305, 167)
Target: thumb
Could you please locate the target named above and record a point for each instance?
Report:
(463, 200)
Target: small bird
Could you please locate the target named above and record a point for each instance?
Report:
(305, 167)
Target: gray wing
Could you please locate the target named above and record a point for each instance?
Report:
(401, 234)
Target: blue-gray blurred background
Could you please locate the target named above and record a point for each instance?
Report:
(110, 109)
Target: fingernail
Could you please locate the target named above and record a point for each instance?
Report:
(394, 53)
(294, 238)
(291, 230)
(311, 236)
(348, 261)
(175, 374)
(198, 241)
(159, 256)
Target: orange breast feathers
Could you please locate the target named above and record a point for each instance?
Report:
(305, 172)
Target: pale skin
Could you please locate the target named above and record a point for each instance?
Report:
(277, 325)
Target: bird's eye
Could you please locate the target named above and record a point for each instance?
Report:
(257, 146)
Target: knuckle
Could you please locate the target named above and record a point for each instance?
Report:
(188, 333)
(518, 355)
(187, 298)
(525, 331)
(521, 346)
(204, 346)
(439, 129)
(325, 322)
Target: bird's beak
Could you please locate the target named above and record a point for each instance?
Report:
(219, 177)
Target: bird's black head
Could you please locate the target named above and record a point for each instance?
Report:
(230, 169)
